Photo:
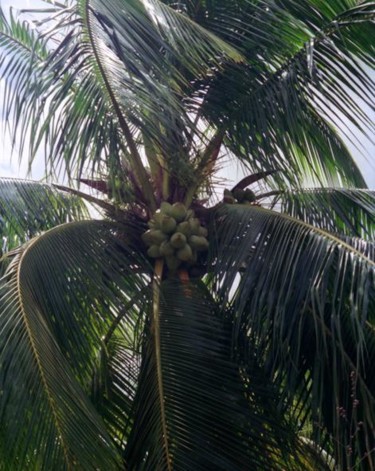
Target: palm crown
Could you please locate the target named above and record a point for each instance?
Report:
(171, 333)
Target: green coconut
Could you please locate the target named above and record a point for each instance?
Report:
(178, 211)
(154, 237)
(166, 208)
(198, 243)
(147, 237)
(166, 248)
(184, 228)
(178, 240)
(185, 254)
(203, 232)
(168, 224)
(157, 218)
(189, 214)
(154, 251)
(239, 194)
(194, 226)
(249, 195)
(228, 197)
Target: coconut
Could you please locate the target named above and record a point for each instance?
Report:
(249, 195)
(157, 218)
(185, 254)
(166, 208)
(198, 242)
(194, 225)
(168, 224)
(228, 197)
(147, 237)
(154, 237)
(203, 231)
(184, 228)
(166, 248)
(152, 224)
(178, 240)
(154, 251)
(189, 214)
(178, 211)
(239, 194)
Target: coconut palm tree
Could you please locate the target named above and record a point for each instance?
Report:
(176, 328)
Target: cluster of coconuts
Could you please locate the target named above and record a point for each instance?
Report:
(238, 195)
(176, 235)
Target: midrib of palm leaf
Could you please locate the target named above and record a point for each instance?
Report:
(133, 155)
(50, 385)
(36, 354)
(155, 330)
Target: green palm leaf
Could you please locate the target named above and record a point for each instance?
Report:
(106, 79)
(55, 309)
(307, 301)
(114, 384)
(28, 208)
(127, 79)
(348, 212)
(297, 59)
(212, 419)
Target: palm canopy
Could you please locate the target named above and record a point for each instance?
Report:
(237, 336)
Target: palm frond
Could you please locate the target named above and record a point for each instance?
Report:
(303, 62)
(109, 77)
(266, 362)
(349, 212)
(60, 296)
(306, 298)
(114, 384)
(213, 418)
(77, 128)
(28, 208)
(146, 59)
(147, 74)
(21, 56)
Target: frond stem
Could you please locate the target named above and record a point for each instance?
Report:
(134, 156)
(206, 164)
(158, 272)
(250, 179)
(325, 234)
(91, 199)
(35, 350)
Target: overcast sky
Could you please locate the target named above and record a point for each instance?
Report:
(12, 165)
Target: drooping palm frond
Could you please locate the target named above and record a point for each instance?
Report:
(349, 212)
(60, 297)
(29, 84)
(303, 61)
(154, 77)
(28, 208)
(216, 415)
(307, 301)
(111, 77)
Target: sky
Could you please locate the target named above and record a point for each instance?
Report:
(12, 165)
